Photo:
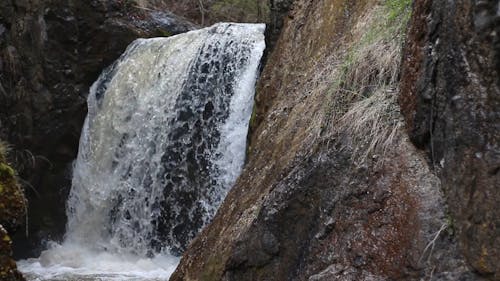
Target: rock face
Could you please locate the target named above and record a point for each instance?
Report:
(333, 188)
(8, 268)
(278, 11)
(451, 103)
(50, 53)
(12, 213)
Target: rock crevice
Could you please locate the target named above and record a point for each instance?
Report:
(451, 100)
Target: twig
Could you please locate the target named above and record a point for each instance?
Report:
(432, 243)
(26, 211)
(202, 11)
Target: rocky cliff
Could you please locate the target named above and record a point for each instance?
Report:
(335, 187)
(451, 102)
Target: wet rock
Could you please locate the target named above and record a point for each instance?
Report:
(279, 10)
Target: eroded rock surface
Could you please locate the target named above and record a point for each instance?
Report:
(451, 103)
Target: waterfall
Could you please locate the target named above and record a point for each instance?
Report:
(163, 142)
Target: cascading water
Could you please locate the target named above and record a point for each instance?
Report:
(163, 142)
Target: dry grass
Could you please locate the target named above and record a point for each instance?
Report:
(23, 160)
(373, 65)
(372, 124)
(363, 101)
(4, 149)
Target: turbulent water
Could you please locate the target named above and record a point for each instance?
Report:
(163, 142)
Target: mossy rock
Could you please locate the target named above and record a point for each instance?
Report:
(8, 268)
(12, 201)
(6, 171)
(12, 211)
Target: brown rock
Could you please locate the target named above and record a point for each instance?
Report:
(451, 103)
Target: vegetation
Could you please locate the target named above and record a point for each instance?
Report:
(398, 10)
(3, 150)
(206, 12)
(240, 10)
(12, 202)
(362, 100)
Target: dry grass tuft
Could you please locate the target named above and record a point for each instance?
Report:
(363, 98)
(373, 65)
(372, 124)
(4, 149)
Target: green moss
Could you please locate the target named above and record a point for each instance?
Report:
(165, 33)
(450, 224)
(253, 116)
(398, 10)
(251, 126)
(1, 188)
(6, 170)
(389, 25)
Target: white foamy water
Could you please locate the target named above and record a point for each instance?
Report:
(70, 262)
(163, 142)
